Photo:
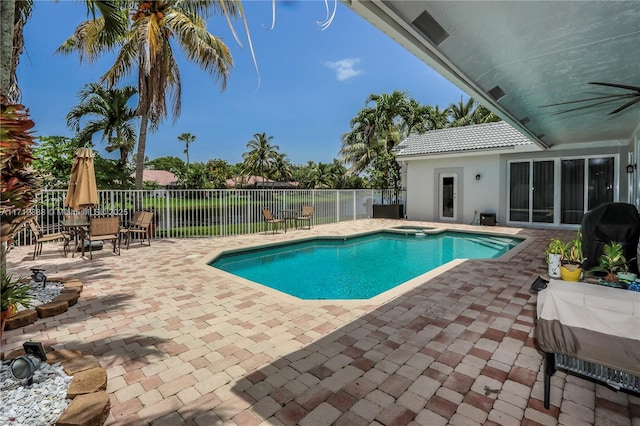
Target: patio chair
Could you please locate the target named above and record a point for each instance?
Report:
(140, 225)
(306, 215)
(269, 219)
(41, 238)
(103, 229)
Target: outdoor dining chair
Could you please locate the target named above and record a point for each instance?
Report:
(275, 223)
(40, 238)
(306, 215)
(103, 229)
(140, 225)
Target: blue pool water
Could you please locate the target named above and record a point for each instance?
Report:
(359, 267)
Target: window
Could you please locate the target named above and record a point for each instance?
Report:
(572, 198)
(584, 183)
(519, 192)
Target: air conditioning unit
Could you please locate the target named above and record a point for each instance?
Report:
(488, 219)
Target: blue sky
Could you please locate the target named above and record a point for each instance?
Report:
(309, 84)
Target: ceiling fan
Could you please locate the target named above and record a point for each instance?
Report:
(604, 99)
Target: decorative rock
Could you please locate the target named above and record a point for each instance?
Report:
(87, 381)
(52, 308)
(86, 410)
(72, 290)
(73, 284)
(71, 297)
(13, 354)
(62, 356)
(79, 364)
(21, 319)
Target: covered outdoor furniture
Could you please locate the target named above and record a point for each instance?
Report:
(40, 238)
(275, 223)
(140, 225)
(306, 215)
(103, 229)
(611, 222)
(590, 330)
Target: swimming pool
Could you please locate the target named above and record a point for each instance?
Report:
(360, 267)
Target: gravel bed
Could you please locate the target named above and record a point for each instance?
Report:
(43, 402)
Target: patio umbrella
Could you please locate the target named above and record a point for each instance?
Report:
(83, 192)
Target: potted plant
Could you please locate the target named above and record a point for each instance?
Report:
(571, 263)
(611, 262)
(624, 274)
(12, 293)
(554, 253)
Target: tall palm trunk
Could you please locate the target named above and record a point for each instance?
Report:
(142, 141)
(7, 13)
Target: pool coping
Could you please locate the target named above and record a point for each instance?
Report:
(397, 291)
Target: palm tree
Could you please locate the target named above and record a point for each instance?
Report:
(392, 112)
(461, 114)
(187, 138)
(376, 130)
(438, 119)
(113, 118)
(15, 14)
(282, 170)
(261, 155)
(146, 47)
(482, 115)
(359, 144)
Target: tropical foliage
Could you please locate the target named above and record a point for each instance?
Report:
(187, 139)
(54, 158)
(13, 291)
(18, 185)
(261, 155)
(173, 164)
(375, 131)
(209, 175)
(110, 115)
(611, 261)
(146, 48)
(378, 128)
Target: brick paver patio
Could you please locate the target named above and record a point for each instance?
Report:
(184, 343)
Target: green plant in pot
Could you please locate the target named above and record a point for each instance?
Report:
(611, 262)
(554, 254)
(573, 257)
(12, 293)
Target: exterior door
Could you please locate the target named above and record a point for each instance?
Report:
(448, 203)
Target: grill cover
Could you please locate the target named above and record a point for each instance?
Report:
(609, 222)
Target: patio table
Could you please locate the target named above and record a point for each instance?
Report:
(288, 215)
(77, 228)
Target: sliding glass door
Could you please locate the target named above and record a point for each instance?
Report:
(578, 185)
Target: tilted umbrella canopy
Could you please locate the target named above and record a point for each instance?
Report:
(83, 191)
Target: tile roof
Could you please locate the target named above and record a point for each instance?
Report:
(258, 181)
(161, 177)
(460, 139)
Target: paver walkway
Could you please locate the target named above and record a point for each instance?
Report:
(184, 343)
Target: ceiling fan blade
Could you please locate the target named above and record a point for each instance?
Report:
(617, 96)
(627, 105)
(619, 86)
(588, 106)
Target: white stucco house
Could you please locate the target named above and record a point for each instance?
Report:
(456, 174)
(564, 75)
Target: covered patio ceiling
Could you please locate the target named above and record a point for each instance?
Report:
(516, 57)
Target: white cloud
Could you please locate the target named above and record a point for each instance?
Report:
(345, 68)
